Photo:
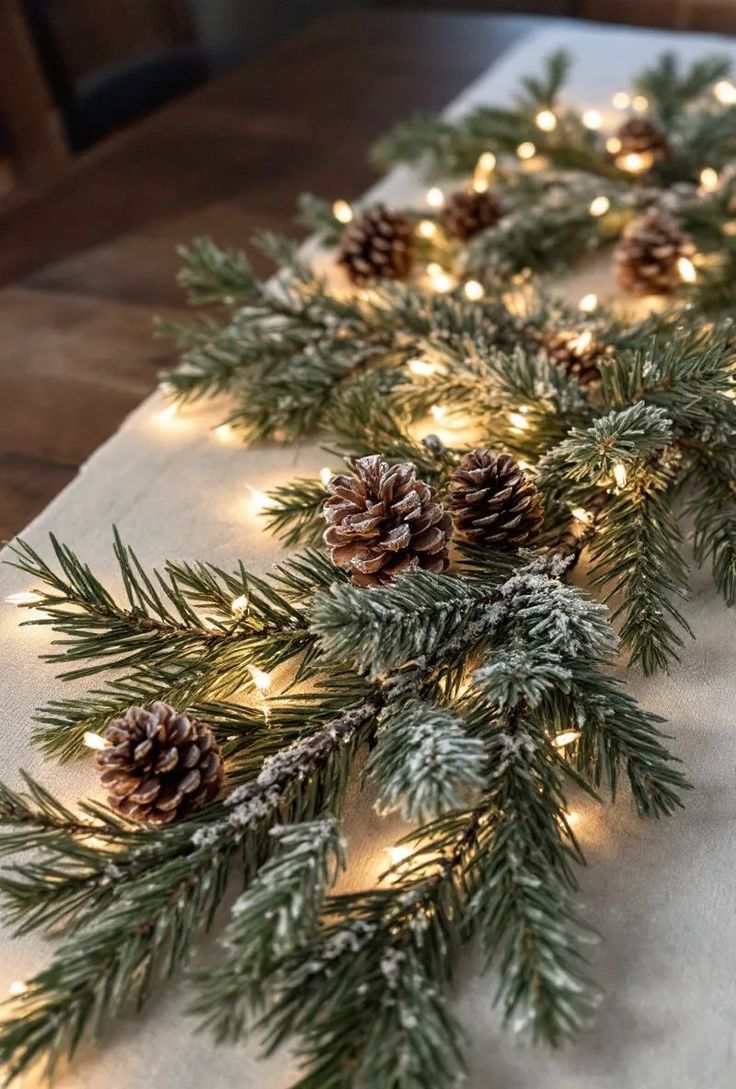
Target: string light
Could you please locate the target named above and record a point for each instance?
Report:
(261, 679)
(526, 150)
(326, 474)
(729, 227)
(635, 162)
(426, 228)
(522, 464)
(599, 206)
(473, 290)
(239, 605)
(572, 817)
(435, 197)
(709, 180)
(17, 988)
(546, 121)
(518, 420)
(94, 741)
(484, 167)
(582, 343)
(398, 853)
(640, 103)
(442, 281)
(565, 738)
(725, 92)
(259, 501)
(687, 270)
(619, 474)
(23, 597)
(588, 303)
(480, 185)
(621, 100)
(166, 417)
(342, 211)
(592, 119)
(613, 145)
(439, 412)
(580, 514)
(422, 368)
(224, 432)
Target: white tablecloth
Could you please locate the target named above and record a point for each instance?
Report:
(662, 894)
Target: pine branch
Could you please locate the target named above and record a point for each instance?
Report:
(670, 90)
(212, 275)
(712, 503)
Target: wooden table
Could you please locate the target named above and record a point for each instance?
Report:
(86, 263)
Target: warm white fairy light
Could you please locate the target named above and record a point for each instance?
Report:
(435, 197)
(687, 271)
(398, 853)
(480, 185)
(422, 368)
(239, 605)
(473, 290)
(94, 741)
(261, 679)
(560, 741)
(224, 432)
(342, 211)
(640, 103)
(484, 167)
(613, 145)
(572, 817)
(592, 119)
(580, 514)
(23, 597)
(725, 92)
(709, 180)
(259, 501)
(167, 416)
(326, 474)
(426, 228)
(588, 303)
(439, 412)
(518, 420)
(526, 150)
(599, 206)
(621, 100)
(619, 474)
(635, 162)
(522, 464)
(546, 121)
(582, 343)
(16, 988)
(441, 279)
(729, 228)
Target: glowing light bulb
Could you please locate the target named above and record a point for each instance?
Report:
(526, 150)
(518, 420)
(473, 290)
(621, 100)
(486, 162)
(435, 197)
(582, 343)
(94, 741)
(23, 597)
(443, 282)
(480, 185)
(729, 227)
(16, 988)
(546, 121)
(167, 416)
(619, 474)
(634, 162)
(342, 211)
(725, 92)
(326, 474)
(261, 680)
(439, 412)
(709, 180)
(599, 206)
(565, 738)
(580, 514)
(399, 853)
(592, 119)
(240, 605)
(426, 228)
(640, 103)
(687, 270)
(224, 432)
(422, 368)
(588, 303)
(572, 818)
(613, 145)
(259, 501)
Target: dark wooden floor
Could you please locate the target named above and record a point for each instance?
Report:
(86, 263)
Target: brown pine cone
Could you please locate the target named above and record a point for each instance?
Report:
(641, 136)
(493, 502)
(579, 354)
(382, 521)
(159, 766)
(466, 213)
(647, 254)
(377, 245)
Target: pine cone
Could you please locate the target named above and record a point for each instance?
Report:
(493, 502)
(641, 136)
(382, 521)
(647, 254)
(377, 245)
(159, 765)
(579, 354)
(466, 213)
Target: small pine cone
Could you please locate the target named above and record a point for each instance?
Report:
(647, 254)
(466, 213)
(159, 766)
(382, 521)
(579, 354)
(377, 246)
(493, 502)
(640, 136)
